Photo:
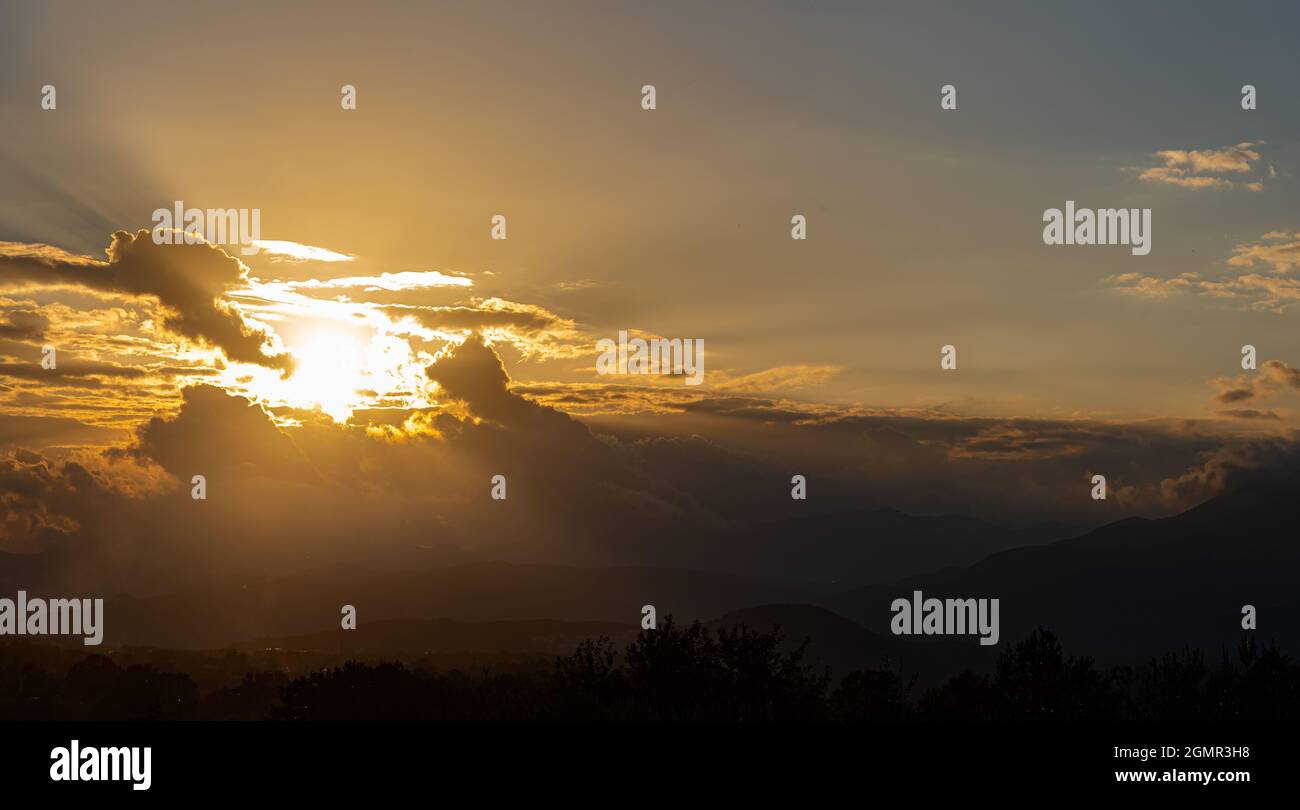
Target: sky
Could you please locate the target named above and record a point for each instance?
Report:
(924, 229)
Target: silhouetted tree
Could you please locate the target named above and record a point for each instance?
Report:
(690, 673)
(968, 697)
(1265, 688)
(1171, 688)
(1035, 681)
(671, 673)
(878, 695)
(355, 691)
(104, 691)
(589, 685)
(254, 698)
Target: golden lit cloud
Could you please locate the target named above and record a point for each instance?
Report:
(282, 250)
(1197, 168)
(1274, 292)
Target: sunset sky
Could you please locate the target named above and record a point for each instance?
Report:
(822, 356)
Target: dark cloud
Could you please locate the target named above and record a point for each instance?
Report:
(43, 504)
(1271, 378)
(1236, 395)
(216, 433)
(1235, 464)
(42, 432)
(1250, 413)
(474, 374)
(190, 282)
(70, 368)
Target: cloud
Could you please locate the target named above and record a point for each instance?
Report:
(1198, 168)
(493, 313)
(29, 490)
(217, 434)
(44, 433)
(1251, 290)
(44, 504)
(1180, 177)
(189, 281)
(1228, 159)
(22, 322)
(1249, 413)
(781, 378)
(660, 395)
(1279, 256)
(282, 251)
(1234, 464)
(1275, 292)
(70, 369)
(1272, 377)
(1012, 440)
(1142, 286)
(534, 331)
(472, 373)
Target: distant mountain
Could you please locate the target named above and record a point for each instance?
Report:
(879, 545)
(1138, 587)
(480, 592)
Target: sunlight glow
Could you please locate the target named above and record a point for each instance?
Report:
(330, 370)
(338, 371)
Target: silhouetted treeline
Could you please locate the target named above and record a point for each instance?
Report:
(682, 673)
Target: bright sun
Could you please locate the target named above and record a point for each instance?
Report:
(330, 370)
(338, 368)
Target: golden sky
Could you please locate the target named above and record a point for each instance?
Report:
(379, 309)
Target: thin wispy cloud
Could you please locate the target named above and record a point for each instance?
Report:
(285, 251)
